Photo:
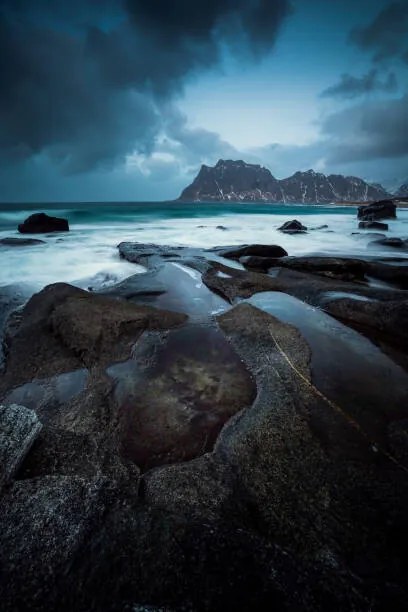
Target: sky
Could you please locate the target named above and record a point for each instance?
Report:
(123, 100)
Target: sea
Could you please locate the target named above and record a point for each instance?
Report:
(87, 255)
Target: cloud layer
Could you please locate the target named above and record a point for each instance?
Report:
(385, 37)
(87, 81)
(350, 86)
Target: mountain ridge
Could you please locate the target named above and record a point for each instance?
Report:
(239, 181)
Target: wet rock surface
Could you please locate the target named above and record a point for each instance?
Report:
(252, 250)
(293, 227)
(373, 225)
(218, 433)
(41, 223)
(394, 243)
(17, 242)
(383, 209)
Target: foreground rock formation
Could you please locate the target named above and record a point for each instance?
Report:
(226, 431)
(238, 181)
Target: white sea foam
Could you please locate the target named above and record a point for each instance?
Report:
(88, 254)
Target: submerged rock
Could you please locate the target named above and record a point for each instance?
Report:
(383, 209)
(17, 242)
(40, 223)
(173, 409)
(395, 243)
(293, 227)
(373, 225)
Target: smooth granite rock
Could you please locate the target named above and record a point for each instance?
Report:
(19, 428)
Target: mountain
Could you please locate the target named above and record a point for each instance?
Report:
(238, 181)
(403, 190)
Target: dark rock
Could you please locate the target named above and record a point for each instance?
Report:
(394, 274)
(12, 297)
(395, 243)
(146, 254)
(335, 276)
(256, 250)
(383, 209)
(370, 235)
(66, 327)
(292, 227)
(136, 286)
(390, 318)
(19, 427)
(221, 227)
(45, 523)
(40, 223)
(231, 283)
(262, 264)
(20, 242)
(373, 225)
(320, 227)
(332, 267)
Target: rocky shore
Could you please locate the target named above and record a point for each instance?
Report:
(226, 431)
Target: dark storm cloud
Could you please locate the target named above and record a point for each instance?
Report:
(350, 86)
(86, 81)
(368, 131)
(387, 35)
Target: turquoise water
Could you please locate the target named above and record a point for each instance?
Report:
(88, 255)
(147, 212)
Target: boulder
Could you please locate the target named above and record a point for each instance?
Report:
(383, 209)
(256, 250)
(19, 427)
(40, 223)
(373, 225)
(293, 227)
(17, 242)
(395, 243)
